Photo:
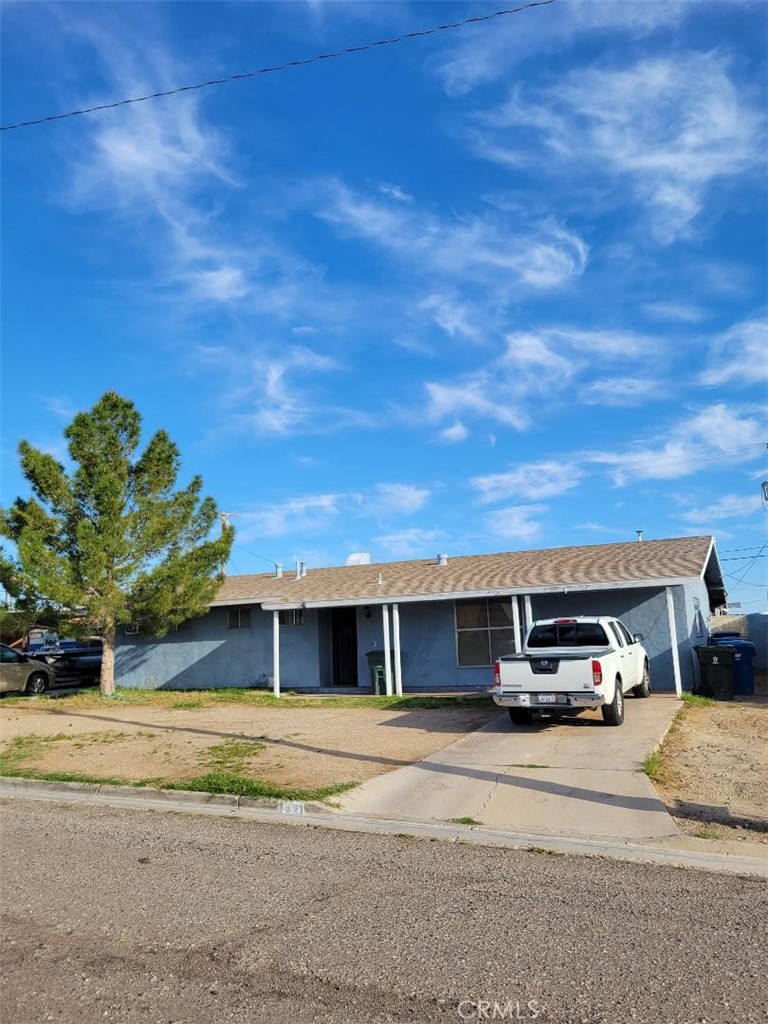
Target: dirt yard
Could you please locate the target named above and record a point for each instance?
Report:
(310, 749)
(712, 771)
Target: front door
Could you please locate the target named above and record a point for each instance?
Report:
(344, 644)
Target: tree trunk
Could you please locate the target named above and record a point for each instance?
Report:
(107, 679)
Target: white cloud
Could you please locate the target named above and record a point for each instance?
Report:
(403, 499)
(622, 391)
(672, 127)
(474, 58)
(454, 434)
(290, 517)
(536, 364)
(481, 249)
(410, 543)
(682, 312)
(223, 284)
(454, 317)
(275, 395)
(474, 395)
(739, 356)
(395, 192)
(545, 479)
(515, 522)
(716, 436)
(730, 506)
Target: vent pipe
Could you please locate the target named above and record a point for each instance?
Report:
(442, 559)
(278, 570)
(302, 569)
(639, 534)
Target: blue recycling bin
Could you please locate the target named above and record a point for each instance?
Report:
(743, 667)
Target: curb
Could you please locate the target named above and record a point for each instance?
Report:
(114, 794)
(667, 852)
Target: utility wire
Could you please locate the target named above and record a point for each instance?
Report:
(280, 67)
(752, 564)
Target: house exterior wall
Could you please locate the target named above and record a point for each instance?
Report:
(211, 655)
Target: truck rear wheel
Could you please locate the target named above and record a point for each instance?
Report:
(520, 716)
(613, 713)
(644, 688)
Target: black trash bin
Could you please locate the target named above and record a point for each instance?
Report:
(743, 668)
(717, 672)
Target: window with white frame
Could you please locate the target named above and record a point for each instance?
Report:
(484, 631)
(291, 617)
(239, 617)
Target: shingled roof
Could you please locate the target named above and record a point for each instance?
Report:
(626, 564)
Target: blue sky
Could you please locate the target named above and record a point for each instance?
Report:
(493, 289)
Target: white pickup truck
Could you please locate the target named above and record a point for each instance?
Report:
(567, 665)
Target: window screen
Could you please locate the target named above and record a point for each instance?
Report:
(484, 631)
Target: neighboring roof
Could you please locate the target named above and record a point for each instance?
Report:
(635, 563)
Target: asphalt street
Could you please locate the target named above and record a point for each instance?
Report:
(112, 914)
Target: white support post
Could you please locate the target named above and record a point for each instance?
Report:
(387, 655)
(396, 645)
(528, 612)
(276, 653)
(516, 623)
(673, 642)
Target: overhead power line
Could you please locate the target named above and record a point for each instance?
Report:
(280, 67)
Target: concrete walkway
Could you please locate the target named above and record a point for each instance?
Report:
(576, 777)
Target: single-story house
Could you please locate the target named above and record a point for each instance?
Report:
(437, 624)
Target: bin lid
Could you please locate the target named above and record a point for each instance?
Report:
(717, 655)
(737, 642)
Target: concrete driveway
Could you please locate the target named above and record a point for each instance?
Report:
(576, 777)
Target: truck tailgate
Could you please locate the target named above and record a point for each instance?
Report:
(551, 671)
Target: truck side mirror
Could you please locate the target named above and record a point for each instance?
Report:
(638, 638)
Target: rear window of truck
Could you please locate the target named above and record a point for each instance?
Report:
(571, 634)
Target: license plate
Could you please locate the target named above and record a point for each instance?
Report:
(547, 698)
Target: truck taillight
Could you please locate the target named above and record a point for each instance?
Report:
(597, 673)
(496, 674)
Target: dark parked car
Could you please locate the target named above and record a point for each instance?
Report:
(21, 674)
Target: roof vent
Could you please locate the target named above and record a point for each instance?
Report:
(639, 534)
(442, 559)
(359, 558)
(278, 570)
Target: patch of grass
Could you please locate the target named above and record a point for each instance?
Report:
(232, 783)
(705, 833)
(530, 764)
(231, 755)
(23, 748)
(464, 821)
(37, 773)
(404, 835)
(653, 766)
(543, 849)
(192, 700)
(692, 700)
(227, 761)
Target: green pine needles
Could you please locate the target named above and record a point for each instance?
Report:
(111, 541)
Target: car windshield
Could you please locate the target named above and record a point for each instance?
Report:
(568, 634)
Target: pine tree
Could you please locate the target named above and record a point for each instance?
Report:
(112, 542)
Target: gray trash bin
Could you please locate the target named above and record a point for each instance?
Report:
(375, 661)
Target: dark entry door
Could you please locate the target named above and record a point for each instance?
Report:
(344, 642)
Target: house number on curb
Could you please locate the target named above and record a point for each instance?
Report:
(291, 807)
